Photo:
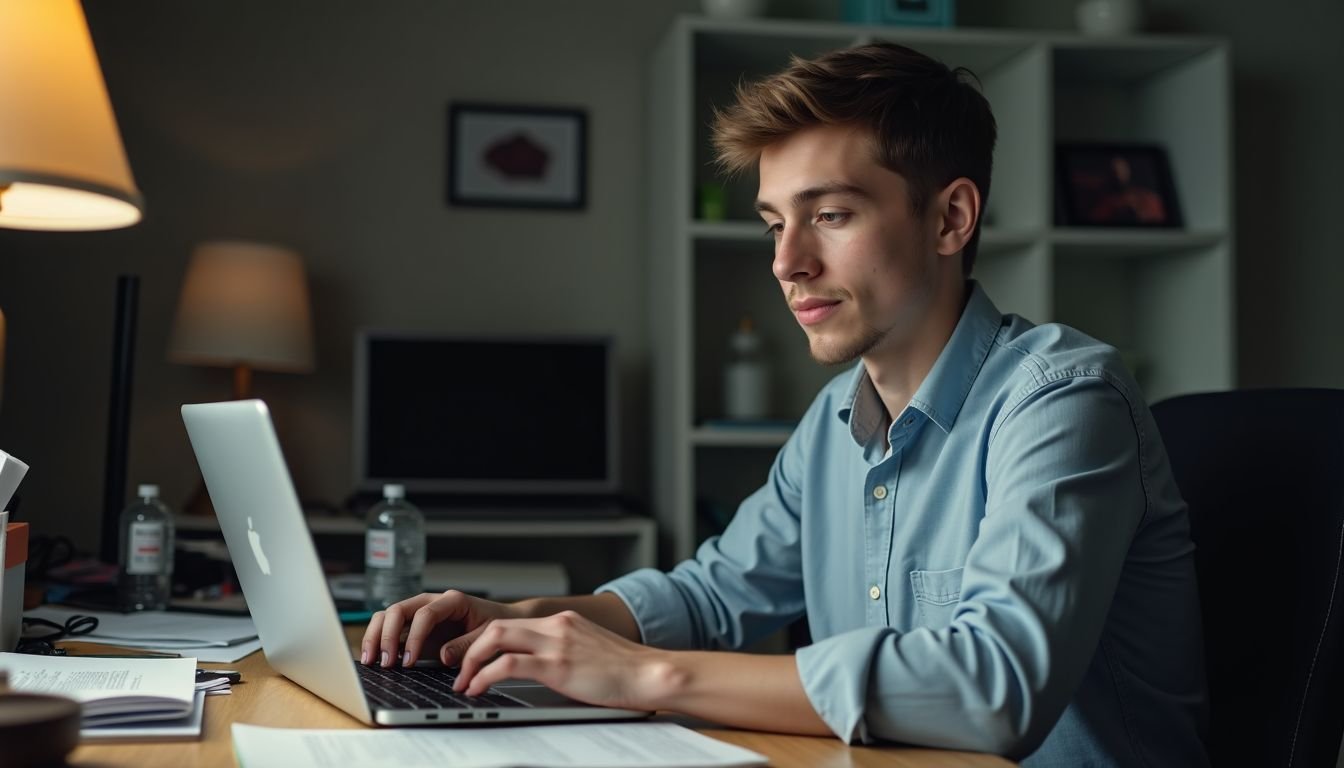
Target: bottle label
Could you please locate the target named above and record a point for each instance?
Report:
(380, 550)
(145, 553)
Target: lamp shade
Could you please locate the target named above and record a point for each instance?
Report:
(62, 165)
(244, 303)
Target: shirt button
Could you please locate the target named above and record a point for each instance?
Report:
(874, 592)
(880, 492)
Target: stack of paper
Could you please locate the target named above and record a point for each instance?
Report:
(208, 638)
(595, 745)
(121, 697)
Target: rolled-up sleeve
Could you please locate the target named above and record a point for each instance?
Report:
(739, 586)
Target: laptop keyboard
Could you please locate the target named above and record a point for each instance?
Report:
(415, 688)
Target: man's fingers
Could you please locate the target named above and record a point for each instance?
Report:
(499, 637)
(395, 619)
(451, 606)
(372, 634)
(452, 652)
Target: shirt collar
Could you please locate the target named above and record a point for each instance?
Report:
(943, 392)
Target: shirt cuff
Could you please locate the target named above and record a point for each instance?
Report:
(835, 673)
(657, 605)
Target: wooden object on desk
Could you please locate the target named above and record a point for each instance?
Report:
(266, 698)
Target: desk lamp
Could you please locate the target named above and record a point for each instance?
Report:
(62, 168)
(244, 306)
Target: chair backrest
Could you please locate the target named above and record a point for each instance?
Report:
(1263, 474)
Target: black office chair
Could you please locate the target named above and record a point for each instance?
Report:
(1263, 473)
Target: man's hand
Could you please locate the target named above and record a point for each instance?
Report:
(569, 654)
(445, 623)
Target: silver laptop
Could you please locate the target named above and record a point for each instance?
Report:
(296, 619)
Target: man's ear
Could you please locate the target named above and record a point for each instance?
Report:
(958, 209)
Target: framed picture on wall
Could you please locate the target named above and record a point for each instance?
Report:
(516, 157)
(1115, 185)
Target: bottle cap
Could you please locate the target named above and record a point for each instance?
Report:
(394, 491)
(147, 491)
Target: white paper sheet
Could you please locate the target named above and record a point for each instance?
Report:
(627, 745)
(164, 630)
(226, 655)
(12, 471)
(187, 727)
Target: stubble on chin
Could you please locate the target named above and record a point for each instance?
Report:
(827, 349)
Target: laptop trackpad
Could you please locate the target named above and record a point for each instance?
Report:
(536, 695)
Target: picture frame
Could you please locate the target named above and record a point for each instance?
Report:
(1115, 185)
(502, 156)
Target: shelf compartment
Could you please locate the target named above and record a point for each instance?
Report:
(707, 436)
(1085, 243)
(1173, 315)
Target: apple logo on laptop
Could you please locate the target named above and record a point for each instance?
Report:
(254, 539)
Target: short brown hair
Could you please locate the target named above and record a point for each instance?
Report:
(931, 125)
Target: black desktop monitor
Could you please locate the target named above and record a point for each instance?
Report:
(515, 416)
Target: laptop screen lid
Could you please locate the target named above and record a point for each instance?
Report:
(272, 550)
(277, 565)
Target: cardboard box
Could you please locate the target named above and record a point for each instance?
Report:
(11, 585)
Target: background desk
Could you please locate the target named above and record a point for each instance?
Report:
(266, 698)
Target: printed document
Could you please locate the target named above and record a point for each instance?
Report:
(595, 745)
(111, 691)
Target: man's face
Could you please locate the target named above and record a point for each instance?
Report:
(858, 268)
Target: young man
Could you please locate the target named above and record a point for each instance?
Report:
(978, 520)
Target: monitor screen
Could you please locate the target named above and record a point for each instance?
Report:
(478, 415)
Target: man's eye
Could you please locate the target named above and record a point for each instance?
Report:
(774, 229)
(831, 217)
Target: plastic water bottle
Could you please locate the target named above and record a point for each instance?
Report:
(746, 378)
(394, 549)
(146, 552)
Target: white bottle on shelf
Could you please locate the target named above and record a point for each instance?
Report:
(146, 552)
(394, 549)
(746, 378)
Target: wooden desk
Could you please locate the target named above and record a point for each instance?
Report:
(266, 698)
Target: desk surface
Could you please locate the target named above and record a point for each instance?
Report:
(267, 698)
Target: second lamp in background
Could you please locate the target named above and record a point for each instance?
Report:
(244, 306)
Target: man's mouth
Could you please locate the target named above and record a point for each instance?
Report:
(814, 310)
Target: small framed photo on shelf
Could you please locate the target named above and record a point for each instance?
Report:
(516, 157)
(1115, 185)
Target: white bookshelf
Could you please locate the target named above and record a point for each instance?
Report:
(1165, 298)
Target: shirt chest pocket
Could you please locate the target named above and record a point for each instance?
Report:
(936, 596)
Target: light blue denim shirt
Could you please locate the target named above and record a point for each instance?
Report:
(1015, 576)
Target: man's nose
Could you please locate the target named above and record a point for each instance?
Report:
(795, 256)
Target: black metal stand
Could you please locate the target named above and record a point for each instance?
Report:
(119, 415)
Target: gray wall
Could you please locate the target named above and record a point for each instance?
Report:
(324, 129)
(321, 126)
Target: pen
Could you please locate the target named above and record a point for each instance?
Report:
(147, 655)
(232, 675)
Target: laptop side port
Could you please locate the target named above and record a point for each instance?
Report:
(491, 715)
(463, 715)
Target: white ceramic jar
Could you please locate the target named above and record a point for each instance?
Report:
(733, 9)
(1108, 17)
